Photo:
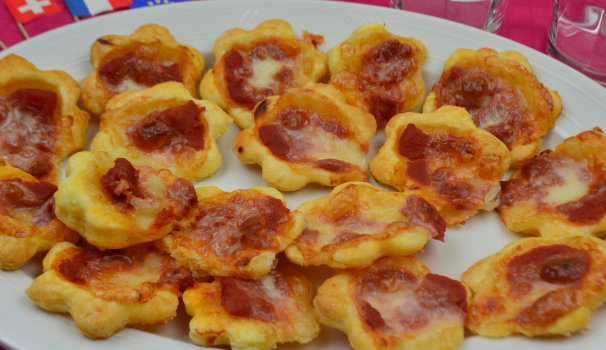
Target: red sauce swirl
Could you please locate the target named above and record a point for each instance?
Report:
(176, 128)
(37, 197)
(27, 130)
(142, 70)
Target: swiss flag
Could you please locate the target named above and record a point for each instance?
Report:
(27, 10)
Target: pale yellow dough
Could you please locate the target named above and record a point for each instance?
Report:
(328, 104)
(496, 310)
(308, 66)
(539, 214)
(336, 304)
(20, 240)
(513, 69)
(85, 206)
(477, 159)
(149, 41)
(359, 223)
(129, 107)
(293, 321)
(102, 307)
(71, 123)
(345, 62)
(192, 251)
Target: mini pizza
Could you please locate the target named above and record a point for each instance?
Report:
(168, 127)
(234, 233)
(379, 72)
(149, 56)
(263, 62)
(307, 135)
(40, 122)
(252, 315)
(560, 193)
(359, 223)
(503, 96)
(107, 291)
(538, 287)
(28, 224)
(116, 201)
(444, 158)
(396, 303)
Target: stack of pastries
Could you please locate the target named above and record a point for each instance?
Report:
(128, 234)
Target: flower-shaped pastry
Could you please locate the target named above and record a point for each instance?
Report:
(28, 224)
(537, 287)
(444, 158)
(396, 303)
(234, 233)
(263, 62)
(115, 201)
(561, 192)
(378, 71)
(168, 127)
(40, 122)
(253, 315)
(107, 291)
(502, 94)
(149, 56)
(307, 135)
(359, 223)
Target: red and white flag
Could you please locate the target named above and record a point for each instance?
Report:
(26, 10)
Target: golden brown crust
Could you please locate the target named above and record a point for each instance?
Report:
(303, 62)
(70, 123)
(151, 41)
(538, 287)
(20, 239)
(346, 301)
(130, 287)
(445, 159)
(129, 109)
(278, 311)
(560, 193)
(358, 223)
(514, 79)
(110, 220)
(397, 77)
(234, 233)
(326, 139)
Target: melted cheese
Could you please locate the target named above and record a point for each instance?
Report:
(576, 184)
(127, 84)
(263, 72)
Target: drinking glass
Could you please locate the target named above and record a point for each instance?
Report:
(577, 36)
(483, 14)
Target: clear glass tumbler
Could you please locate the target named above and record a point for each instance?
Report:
(483, 14)
(577, 36)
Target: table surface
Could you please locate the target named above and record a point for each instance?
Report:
(525, 21)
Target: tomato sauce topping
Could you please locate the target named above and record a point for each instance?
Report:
(421, 213)
(445, 152)
(27, 130)
(494, 105)
(395, 301)
(121, 182)
(558, 265)
(548, 308)
(257, 300)
(177, 128)
(140, 70)
(291, 137)
(384, 66)
(235, 226)
(90, 267)
(35, 197)
(549, 170)
(239, 71)
(183, 195)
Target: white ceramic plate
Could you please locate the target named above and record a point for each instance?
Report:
(25, 326)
